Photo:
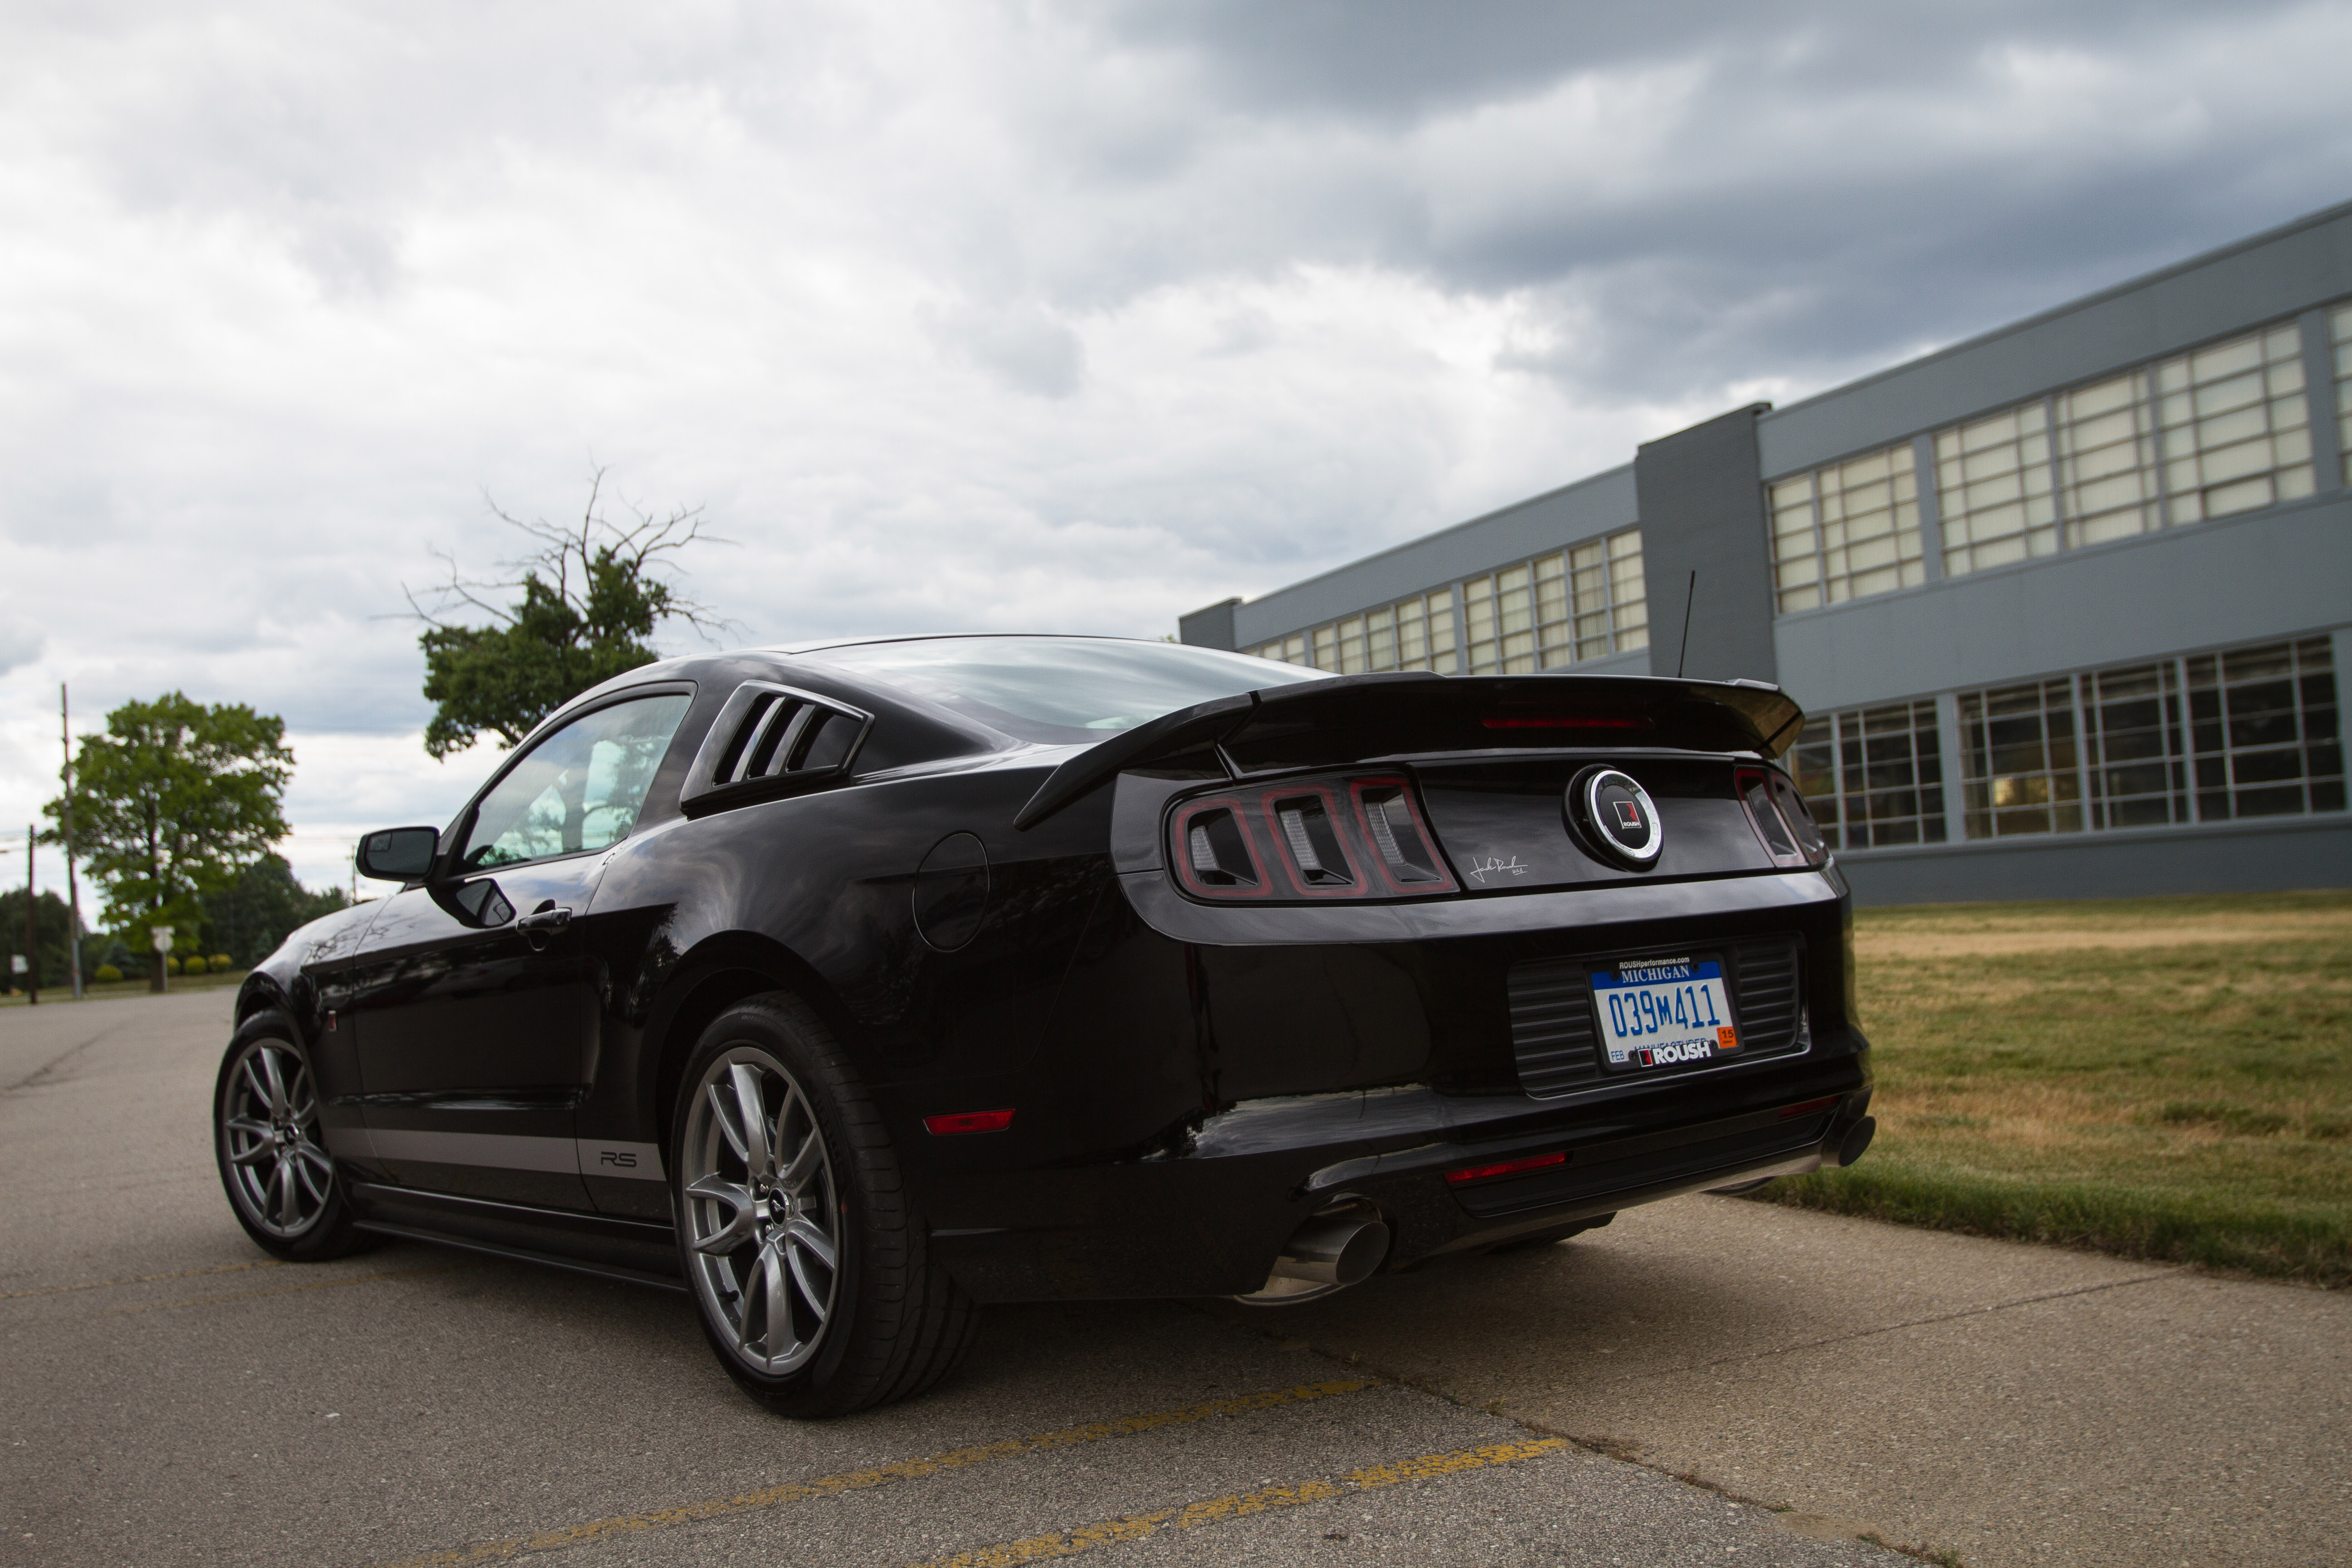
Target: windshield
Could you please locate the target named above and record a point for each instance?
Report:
(1061, 690)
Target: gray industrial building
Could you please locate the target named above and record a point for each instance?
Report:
(2065, 603)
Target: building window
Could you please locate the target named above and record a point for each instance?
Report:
(2262, 731)
(1611, 597)
(2022, 768)
(2224, 431)
(1581, 603)
(2235, 426)
(1847, 530)
(2131, 728)
(2343, 335)
(1874, 776)
(1992, 490)
(2107, 459)
(1547, 614)
(1411, 634)
(2250, 732)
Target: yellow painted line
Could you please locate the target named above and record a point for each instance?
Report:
(1238, 1505)
(282, 1290)
(880, 1475)
(141, 1279)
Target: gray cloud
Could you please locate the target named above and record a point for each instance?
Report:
(986, 316)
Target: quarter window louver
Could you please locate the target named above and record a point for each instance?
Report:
(770, 736)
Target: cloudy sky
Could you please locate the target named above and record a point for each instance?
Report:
(982, 316)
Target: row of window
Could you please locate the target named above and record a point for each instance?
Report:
(2224, 431)
(1562, 609)
(2212, 737)
(2343, 336)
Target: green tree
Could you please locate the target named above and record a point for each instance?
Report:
(248, 919)
(590, 602)
(172, 802)
(51, 922)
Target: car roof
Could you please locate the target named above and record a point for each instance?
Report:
(821, 645)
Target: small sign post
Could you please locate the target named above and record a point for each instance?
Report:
(163, 937)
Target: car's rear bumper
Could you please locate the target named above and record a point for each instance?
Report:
(1210, 1217)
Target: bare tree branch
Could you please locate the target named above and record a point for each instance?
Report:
(563, 563)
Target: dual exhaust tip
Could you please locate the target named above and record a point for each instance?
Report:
(1342, 1243)
(1339, 1246)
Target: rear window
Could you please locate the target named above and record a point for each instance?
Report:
(1060, 689)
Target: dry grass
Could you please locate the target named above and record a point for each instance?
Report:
(2162, 1077)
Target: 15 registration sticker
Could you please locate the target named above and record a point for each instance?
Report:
(1661, 1012)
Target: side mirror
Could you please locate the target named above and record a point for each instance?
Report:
(399, 854)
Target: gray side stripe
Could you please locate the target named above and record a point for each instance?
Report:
(501, 1151)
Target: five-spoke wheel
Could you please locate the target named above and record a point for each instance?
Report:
(763, 1223)
(280, 1175)
(809, 1268)
(273, 1160)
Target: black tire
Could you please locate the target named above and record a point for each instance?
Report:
(892, 1324)
(281, 1181)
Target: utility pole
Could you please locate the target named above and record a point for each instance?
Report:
(73, 893)
(32, 933)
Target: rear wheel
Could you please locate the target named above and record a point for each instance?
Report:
(807, 1267)
(280, 1180)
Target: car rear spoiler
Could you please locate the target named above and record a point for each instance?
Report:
(1351, 717)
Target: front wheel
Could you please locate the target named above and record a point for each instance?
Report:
(807, 1267)
(281, 1182)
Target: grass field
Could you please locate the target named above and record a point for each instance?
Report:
(2159, 1077)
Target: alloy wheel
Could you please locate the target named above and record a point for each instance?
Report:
(763, 1224)
(277, 1171)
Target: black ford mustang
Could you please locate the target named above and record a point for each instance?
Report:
(855, 985)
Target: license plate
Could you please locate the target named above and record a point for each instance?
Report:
(1663, 1012)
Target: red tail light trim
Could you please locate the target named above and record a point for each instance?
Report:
(1790, 1112)
(1505, 1168)
(1203, 812)
(1296, 842)
(1787, 844)
(1331, 836)
(1360, 794)
(968, 1121)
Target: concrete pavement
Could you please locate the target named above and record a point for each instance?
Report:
(171, 1399)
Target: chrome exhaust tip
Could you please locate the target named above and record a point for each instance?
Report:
(1857, 1139)
(1339, 1246)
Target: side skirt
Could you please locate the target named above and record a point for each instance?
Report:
(632, 1250)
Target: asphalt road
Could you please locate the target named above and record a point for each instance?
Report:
(171, 1396)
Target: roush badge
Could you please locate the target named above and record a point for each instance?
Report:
(1616, 814)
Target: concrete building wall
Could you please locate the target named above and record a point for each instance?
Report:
(1705, 548)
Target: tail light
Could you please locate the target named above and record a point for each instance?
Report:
(1777, 814)
(1354, 838)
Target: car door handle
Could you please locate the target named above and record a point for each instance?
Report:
(543, 923)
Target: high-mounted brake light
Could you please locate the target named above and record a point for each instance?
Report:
(968, 1121)
(1563, 722)
(1321, 838)
(1506, 1167)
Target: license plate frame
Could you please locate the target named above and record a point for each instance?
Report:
(1655, 1013)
